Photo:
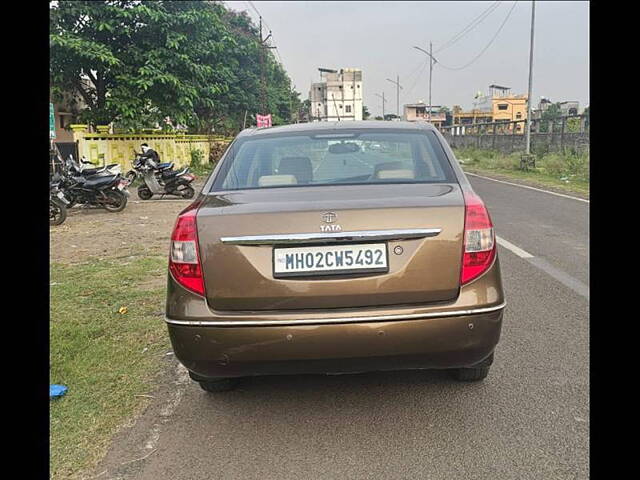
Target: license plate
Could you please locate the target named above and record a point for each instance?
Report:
(121, 186)
(330, 260)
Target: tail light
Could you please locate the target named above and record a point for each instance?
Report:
(184, 259)
(479, 239)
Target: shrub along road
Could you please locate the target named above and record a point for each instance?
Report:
(529, 419)
(568, 173)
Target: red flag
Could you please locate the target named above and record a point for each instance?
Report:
(263, 120)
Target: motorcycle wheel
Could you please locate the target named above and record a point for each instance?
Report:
(115, 202)
(131, 176)
(57, 213)
(144, 193)
(187, 192)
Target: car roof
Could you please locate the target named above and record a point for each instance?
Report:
(333, 126)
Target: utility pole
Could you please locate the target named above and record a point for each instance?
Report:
(383, 102)
(432, 62)
(263, 75)
(528, 140)
(430, 73)
(398, 88)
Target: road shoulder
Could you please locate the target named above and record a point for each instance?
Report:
(525, 182)
(138, 439)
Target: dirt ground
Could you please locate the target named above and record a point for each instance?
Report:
(143, 227)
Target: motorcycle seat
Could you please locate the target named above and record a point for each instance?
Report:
(99, 181)
(165, 166)
(167, 174)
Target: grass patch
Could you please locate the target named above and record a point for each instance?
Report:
(565, 172)
(106, 358)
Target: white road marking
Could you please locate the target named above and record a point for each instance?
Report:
(540, 263)
(527, 186)
(510, 246)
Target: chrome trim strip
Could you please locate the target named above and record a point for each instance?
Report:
(321, 321)
(293, 238)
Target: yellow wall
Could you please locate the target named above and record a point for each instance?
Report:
(119, 148)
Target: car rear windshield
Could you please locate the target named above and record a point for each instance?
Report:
(345, 158)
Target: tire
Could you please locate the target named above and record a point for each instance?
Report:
(187, 192)
(221, 385)
(474, 374)
(144, 193)
(57, 213)
(131, 176)
(116, 201)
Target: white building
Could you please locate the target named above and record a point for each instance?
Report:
(338, 97)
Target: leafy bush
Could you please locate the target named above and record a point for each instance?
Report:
(572, 164)
(196, 158)
(552, 164)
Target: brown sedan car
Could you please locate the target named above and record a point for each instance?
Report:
(334, 248)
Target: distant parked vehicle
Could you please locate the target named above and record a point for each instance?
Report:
(306, 253)
(109, 192)
(57, 204)
(81, 168)
(160, 179)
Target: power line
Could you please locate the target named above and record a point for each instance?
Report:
(486, 47)
(250, 4)
(473, 24)
(258, 13)
(424, 66)
(420, 64)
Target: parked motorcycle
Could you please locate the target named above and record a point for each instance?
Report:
(109, 191)
(81, 168)
(57, 204)
(162, 180)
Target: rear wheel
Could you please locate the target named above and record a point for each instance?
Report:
(221, 385)
(187, 192)
(115, 201)
(57, 213)
(475, 373)
(144, 193)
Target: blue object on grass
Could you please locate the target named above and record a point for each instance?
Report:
(57, 391)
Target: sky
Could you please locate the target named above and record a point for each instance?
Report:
(378, 37)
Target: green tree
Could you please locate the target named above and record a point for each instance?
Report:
(137, 62)
(552, 113)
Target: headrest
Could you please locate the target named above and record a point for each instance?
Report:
(271, 180)
(392, 167)
(386, 174)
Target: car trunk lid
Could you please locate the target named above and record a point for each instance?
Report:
(239, 274)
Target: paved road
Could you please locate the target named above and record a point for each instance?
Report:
(529, 419)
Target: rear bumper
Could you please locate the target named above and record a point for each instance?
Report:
(412, 343)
